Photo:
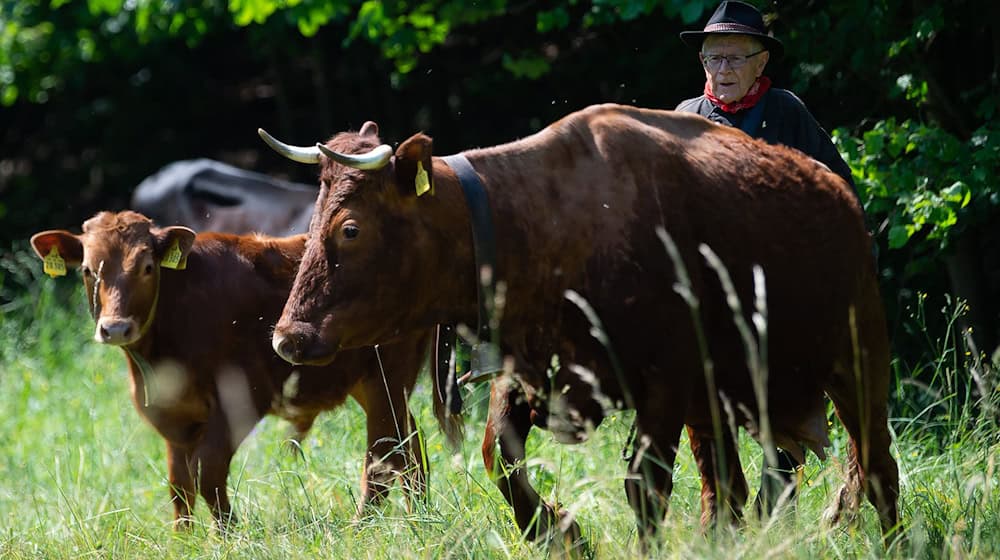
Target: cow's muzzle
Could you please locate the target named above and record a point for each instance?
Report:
(296, 347)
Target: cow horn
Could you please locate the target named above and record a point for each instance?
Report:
(294, 153)
(377, 158)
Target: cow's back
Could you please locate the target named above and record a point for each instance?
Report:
(587, 195)
(210, 195)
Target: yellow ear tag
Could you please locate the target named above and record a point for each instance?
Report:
(423, 181)
(53, 264)
(172, 258)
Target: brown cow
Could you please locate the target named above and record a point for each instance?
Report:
(577, 207)
(201, 367)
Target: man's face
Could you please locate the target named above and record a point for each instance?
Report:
(730, 84)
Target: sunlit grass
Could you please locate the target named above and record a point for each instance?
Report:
(81, 475)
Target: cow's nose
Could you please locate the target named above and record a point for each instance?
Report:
(286, 347)
(115, 331)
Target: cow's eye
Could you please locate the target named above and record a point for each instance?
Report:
(148, 269)
(351, 231)
(86, 271)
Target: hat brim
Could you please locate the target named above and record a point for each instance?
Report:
(694, 39)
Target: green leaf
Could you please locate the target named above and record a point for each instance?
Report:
(956, 192)
(531, 66)
(898, 236)
(8, 95)
(555, 19)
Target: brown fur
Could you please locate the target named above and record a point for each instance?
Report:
(575, 207)
(214, 375)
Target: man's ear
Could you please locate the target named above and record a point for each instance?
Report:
(764, 58)
(69, 246)
(415, 150)
(165, 241)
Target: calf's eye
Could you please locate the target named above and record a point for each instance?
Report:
(148, 269)
(86, 271)
(351, 231)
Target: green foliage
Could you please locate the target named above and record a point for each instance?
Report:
(606, 12)
(401, 29)
(43, 44)
(401, 34)
(531, 66)
(928, 183)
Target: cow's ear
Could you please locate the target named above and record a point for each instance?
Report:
(68, 246)
(172, 246)
(413, 165)
(369, 130)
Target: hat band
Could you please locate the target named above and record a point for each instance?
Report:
(731, 28)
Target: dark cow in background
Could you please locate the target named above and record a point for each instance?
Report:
(213, 196)
(577, 208)
(201, 367)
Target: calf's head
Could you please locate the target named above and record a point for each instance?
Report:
(367, 250)
(119, 256)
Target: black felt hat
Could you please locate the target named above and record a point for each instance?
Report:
(735, 18)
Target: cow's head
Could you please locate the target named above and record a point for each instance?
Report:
(119, 256)
(369, 250)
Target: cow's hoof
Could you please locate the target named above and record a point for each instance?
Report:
(566, 539)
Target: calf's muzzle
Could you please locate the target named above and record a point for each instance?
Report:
(116, 331)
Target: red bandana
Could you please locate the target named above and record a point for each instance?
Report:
(753, 95)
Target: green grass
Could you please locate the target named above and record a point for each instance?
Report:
(82, 476)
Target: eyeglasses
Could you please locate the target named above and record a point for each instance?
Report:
(714, 61)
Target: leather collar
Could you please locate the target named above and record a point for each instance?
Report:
(483, 358)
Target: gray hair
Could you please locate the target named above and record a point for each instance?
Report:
(755, 44)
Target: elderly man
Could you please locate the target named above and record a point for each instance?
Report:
(734, 49)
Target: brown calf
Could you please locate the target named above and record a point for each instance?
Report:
(577, 209)
(200, 362)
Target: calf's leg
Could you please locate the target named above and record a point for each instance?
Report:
(182, 488)
(211, 462)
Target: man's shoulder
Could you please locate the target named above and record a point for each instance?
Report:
(693, 105)
(785, 98)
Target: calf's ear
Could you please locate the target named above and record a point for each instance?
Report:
(413, 165)
(172, 245)
(68, 246)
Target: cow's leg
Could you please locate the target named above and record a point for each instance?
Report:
(776, 480)
(182, 490)
(649, 481)
(730, 485)
(393, 443)
(860, 394)
(507, 428)
(870, 467)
